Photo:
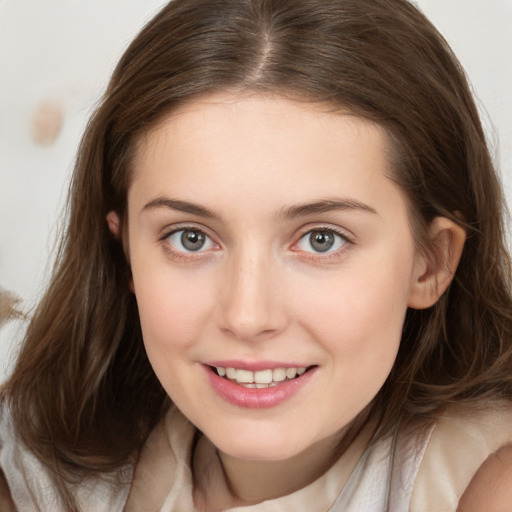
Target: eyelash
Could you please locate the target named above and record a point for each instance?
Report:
(185, 255)
(328, 255)
(312, 255)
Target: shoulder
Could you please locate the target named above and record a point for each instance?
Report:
(28, 484)
(491, 487)
(16, 469)
(464, 437)
(6, 502)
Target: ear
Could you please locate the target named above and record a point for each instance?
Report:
(114, 223)
(434, 270)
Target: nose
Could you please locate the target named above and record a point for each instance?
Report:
(252, 305)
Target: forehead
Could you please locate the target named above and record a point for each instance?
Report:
(264, 111)
(225, 145)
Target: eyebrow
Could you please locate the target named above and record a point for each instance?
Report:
(181, 206)
(323, 206)
(291, 212)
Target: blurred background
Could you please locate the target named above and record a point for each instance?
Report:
(55, 60)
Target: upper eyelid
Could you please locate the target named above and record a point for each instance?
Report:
(345, 233)
(174, 228)
(328, 256)
(299, 233)
(188, 255)
(347, 236)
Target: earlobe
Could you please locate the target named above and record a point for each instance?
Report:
(434, 271)
(113, 223)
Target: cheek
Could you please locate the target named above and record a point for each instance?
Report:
(359, 325)
(360, 314)
(172, 309)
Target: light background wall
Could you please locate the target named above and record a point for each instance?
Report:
(55, 59)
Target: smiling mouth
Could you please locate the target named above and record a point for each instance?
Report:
(260, 379)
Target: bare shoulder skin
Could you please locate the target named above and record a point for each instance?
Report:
(491, 487)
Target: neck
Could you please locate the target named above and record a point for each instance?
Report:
(222, 481)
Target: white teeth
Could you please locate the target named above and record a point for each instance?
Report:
(262, 378)
(244, 376)
(279, 374)
(291, 372)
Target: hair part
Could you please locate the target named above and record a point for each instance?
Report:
(83, 394)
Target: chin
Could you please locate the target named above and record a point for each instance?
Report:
(263, 446)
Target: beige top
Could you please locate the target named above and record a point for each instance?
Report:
(163, 477)
(423, 470)
(419, 471)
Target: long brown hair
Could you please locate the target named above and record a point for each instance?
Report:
(83, 394)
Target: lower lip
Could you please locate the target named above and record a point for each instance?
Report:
(254, 398)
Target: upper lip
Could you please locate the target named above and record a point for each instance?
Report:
(254, 365)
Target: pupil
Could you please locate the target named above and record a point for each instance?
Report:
(321, 241)
(192, 240)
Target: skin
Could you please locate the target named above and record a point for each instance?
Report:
(491, 487)
(258, 290)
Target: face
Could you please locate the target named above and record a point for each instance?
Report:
(273, 264)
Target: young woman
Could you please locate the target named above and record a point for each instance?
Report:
(284, 283)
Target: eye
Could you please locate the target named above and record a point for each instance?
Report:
(190, 240)
(321, 241)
